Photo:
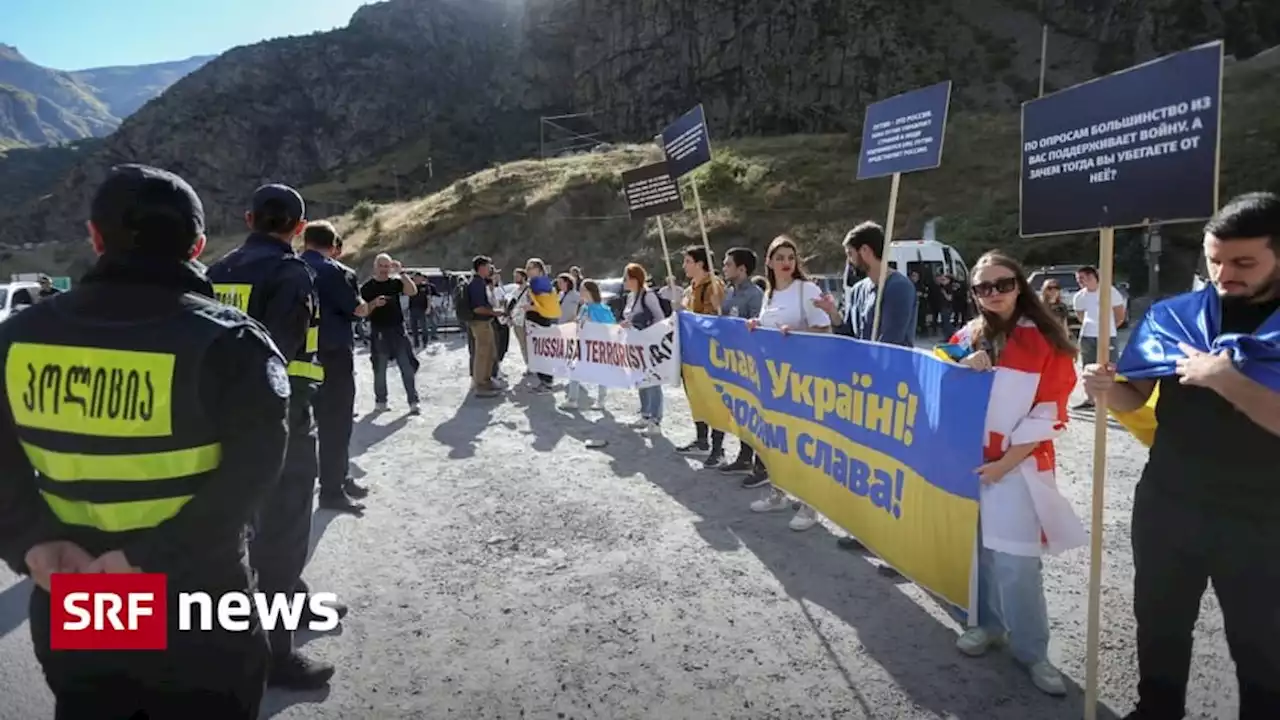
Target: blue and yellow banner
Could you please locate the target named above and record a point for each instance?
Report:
(882, 440)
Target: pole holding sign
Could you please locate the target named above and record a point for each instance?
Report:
(651, 191)
(902, 134)
(1112, 153)
(687, 146)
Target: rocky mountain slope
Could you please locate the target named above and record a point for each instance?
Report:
(125, 89)
(464, 82)
(39, 105)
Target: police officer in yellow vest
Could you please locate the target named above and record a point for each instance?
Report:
(265, 278)
(142, 424)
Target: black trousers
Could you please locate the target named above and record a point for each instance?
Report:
(334, 401)
(282, 528)
(1178, 547)
(230, 689)
(717, 437)
(536, 319)
(501, 333)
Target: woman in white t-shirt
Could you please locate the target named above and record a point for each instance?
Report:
(790, 304)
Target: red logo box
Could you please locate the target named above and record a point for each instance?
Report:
(108, 612)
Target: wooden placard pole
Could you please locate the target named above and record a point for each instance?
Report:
(702, 224)
(1106, 279)
(884, 264)
(666, 254)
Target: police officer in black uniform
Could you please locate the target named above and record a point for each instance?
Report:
(143, 423)
(268, 281)
(340, 305)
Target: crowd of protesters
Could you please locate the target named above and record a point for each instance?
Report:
(998, 323)
(1211, 472)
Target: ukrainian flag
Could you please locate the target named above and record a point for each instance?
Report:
(1193, 319)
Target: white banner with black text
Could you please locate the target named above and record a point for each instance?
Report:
(608, 355)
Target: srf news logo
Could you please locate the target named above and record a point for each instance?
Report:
(130, 611)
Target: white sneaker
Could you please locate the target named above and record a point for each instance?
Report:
(975, 642)
(1047, 679)
(806, 518)
(381, 407)
(639, 423)
(776, 500)
(569, 407)
(651, 428)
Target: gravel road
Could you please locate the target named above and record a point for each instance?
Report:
(503, 570)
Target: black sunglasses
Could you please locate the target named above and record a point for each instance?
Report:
(1001, 286)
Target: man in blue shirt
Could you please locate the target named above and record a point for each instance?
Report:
(481, 328)
(864, 246)
(340, 305)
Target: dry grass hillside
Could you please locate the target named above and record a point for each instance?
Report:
(569, 210)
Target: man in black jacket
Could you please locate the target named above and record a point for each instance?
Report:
(84, 489)
(267, 280)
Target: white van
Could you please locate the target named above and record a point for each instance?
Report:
(928, 257)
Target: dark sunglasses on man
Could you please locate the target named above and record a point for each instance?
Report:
(1003, 286)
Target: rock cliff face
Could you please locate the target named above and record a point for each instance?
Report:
(469, 79)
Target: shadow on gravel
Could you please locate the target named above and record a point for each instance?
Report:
(14, 601)
(277, 701)
(462, 431)
(366, 433)
(912, 645)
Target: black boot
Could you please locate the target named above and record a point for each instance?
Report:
(341, 504)
(299, 672)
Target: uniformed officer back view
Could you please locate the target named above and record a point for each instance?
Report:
(142, 424)
(266, 279)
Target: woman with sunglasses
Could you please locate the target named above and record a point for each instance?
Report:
(1051, 296)
(791, 303)
(1021, 513)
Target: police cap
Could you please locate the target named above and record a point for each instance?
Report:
(139, 207)
(277, 208)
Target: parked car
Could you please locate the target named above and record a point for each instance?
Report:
(1066, 277)
(16, 297)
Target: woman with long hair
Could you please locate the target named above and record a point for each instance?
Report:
(641, 310)
(1051, 296)
(1021, 513)
(570, 298)
(790, 303)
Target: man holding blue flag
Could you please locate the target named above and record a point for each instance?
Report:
(1208, 504)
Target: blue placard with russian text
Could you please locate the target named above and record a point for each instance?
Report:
(686, 143)
(904, 133)
(1136, 147)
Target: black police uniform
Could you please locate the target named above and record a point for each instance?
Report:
(339, 297)
(268, 281)
(143, 416)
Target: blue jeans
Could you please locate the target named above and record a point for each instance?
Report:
(1011, 600)
(578, 394)
(386, 346)
(651, 403)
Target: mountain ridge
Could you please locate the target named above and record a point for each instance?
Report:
(462, 83)
(43, 106)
